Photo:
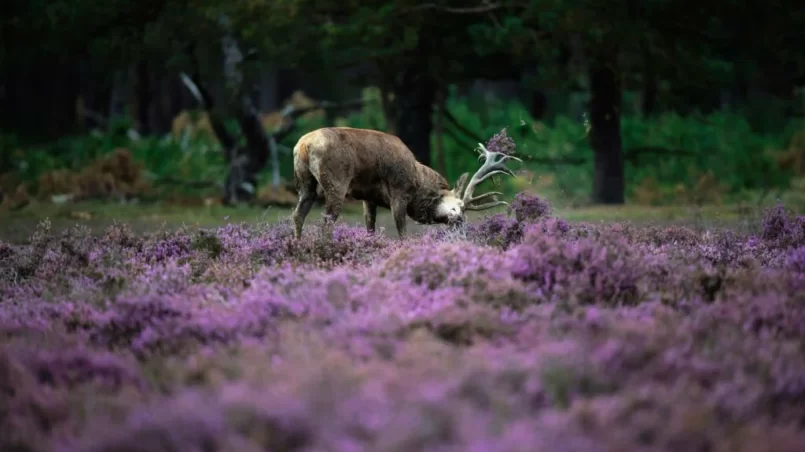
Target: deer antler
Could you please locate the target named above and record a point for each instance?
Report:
(493, 164)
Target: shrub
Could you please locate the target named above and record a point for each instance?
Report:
(580, 270)
(782, 229)
(529, 208)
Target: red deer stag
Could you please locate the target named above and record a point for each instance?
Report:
(379, 169)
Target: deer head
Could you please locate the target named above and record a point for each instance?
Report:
(463, 199)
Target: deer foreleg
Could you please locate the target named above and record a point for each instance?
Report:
(370, 215)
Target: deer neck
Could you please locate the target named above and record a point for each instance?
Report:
(423, 204)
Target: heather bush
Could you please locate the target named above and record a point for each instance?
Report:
(782, 229)
(340, 245)
(503, 231)
(519, 332)
(580, 270)
(497, 230)
(795, 260)
(528, 208)
(29, 413)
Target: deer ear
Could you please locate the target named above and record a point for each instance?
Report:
(461, 184)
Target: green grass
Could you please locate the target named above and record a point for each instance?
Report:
(16, 227)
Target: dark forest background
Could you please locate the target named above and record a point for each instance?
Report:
(648, 102)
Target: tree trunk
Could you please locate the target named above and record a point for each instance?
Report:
(117, 98)
(143, 95)
(650, 92)
(415, 93)
(538, 105)
(166, 107)
(39, 100)
(605, 136)
(176, 100)
(244, 164)
(94, 96)
(389, 107)
(439, 125)
(269, 90)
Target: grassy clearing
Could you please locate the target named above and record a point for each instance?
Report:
(16, 227)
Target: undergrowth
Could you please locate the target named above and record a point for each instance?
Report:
(668, 158)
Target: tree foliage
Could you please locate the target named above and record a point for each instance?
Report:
(609, 47)
(682, 55)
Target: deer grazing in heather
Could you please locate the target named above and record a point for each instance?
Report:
(380, 170)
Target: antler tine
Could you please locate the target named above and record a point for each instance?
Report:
(475, 199)
(491, 166)
(474, 206)
(461, 184)
(488, 205)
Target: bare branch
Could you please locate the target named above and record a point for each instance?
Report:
(192, 87)
(551, 161)
(454, 121)
(204, 98)
(459, 139)
(480, 9)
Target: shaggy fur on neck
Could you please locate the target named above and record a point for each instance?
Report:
(431, 188)
(423, 206)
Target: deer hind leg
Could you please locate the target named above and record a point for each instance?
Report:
(370, 215)
(334, 196)
(306, 186)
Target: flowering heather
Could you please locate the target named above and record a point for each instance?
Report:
(501, 142)
(527, 208)
(519, 332)
(783, 230)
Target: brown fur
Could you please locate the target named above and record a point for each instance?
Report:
(371, 166)
(301, 153)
